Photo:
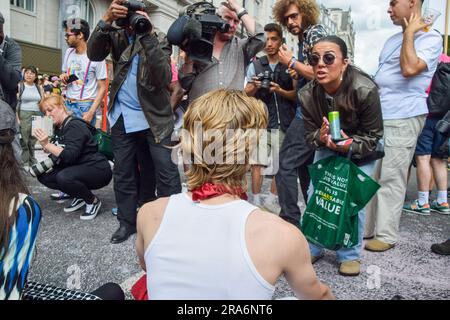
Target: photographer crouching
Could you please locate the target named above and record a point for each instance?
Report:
(139, 112)
(74, 166)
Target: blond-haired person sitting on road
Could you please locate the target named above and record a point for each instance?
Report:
(208, 243)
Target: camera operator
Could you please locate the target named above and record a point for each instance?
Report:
(75, 166)
(10, 61)
(270, 81)
(139, 109)
(231, 55)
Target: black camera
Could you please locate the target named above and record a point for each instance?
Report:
(139, 23)
(266, 78)
(195, 30)
(45, 166)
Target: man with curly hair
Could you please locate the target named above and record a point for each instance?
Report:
(300, 18)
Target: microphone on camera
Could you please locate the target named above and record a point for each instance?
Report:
(193, 29)
(184, 28)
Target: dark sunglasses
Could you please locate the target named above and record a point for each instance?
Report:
(67, 35)
(328, 59)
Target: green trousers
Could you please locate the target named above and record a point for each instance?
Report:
(28, 141)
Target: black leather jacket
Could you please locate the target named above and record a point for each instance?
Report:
(154, 72)
(364, 124)
(10, 61)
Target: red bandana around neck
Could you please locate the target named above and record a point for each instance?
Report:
(210, 190)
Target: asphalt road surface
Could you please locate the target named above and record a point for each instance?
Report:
(78, 254)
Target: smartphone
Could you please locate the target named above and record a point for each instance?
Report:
(72, 78)
(343, 141)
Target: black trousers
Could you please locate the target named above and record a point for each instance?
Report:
(134, 170)
(78, 180)
(295, 156)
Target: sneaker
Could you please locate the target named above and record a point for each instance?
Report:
(314, 259)
(415, 207)
(75, 205)
(60, 196)
(91, 210)
(114, 211)
(350, 268)
(376, 245)
(441, 248)
(441, 208)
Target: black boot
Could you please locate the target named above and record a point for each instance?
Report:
(122, 234)
(441, 248)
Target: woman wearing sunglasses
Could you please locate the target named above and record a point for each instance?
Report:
(340, 86)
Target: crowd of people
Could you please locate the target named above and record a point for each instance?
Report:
(210, 241)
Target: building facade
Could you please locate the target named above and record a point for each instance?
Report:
(36, 24)
(344, 27)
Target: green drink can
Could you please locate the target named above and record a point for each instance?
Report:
(335, 125)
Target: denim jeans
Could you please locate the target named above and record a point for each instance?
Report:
(344, 254)
(79, 107)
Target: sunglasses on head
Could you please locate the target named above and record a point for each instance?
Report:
(328, 59)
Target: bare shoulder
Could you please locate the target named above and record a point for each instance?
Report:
(273, 226)
(149, 219)
(153, 211)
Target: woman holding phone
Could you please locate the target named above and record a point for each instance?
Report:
(343, 88)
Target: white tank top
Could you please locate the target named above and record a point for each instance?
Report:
(199, 252)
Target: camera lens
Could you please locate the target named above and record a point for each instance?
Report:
(140, 24)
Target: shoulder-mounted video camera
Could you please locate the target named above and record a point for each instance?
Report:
(139, 23)
(195, 29)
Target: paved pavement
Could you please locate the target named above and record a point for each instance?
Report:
(77, 254)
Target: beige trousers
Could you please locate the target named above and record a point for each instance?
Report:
(391, 172)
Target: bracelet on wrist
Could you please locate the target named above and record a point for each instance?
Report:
(241, 13)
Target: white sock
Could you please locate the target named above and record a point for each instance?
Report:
(89, 206)
(423, 197)
(257, 199)
(442, 196)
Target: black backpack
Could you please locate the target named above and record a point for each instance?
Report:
(439, 97)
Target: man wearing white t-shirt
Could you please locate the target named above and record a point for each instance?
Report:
(407, 64)
(85, 79)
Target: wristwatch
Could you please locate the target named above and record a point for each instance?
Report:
(241, 13)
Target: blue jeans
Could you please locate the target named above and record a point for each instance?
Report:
(344, 254)
(79, 107)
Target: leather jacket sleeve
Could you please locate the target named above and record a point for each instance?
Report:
(157, 54)
(10, 62)
(99, 44)
(312, 129)
(371, 123)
